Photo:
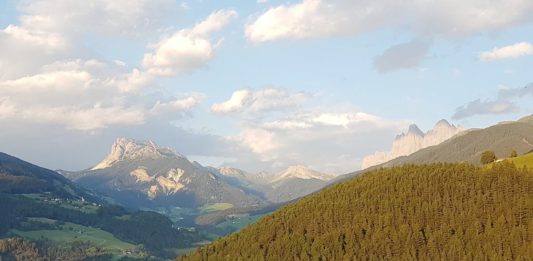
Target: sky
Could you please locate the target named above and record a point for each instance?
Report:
(257, 85)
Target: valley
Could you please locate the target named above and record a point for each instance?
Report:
(104, 204)
(182, 205)
(191, 130)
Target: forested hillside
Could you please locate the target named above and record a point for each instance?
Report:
(15, 249)
(40, 205)
(430, 212)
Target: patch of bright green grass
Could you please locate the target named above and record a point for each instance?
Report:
(524, 160)
(70, 232)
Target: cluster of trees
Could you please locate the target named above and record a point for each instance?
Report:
(489, 156)
(15, 249)
(430, 212)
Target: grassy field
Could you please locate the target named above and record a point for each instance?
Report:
(524, 160)
(70, 232)
(215, 207)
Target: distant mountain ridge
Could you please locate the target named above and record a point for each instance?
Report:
(467, 146)
(292, 183)
(301, 172)
(502, 139)
(412, 141)
(144, 174)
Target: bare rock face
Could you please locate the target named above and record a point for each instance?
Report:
(127, 149)
(143, 174)
(412, 141)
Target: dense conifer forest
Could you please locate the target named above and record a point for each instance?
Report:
(428, 212)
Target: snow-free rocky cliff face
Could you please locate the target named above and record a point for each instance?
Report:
(126, 149)
(412, 141)
(143, 174)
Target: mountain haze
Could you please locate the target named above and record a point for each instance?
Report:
(502, 138)
(139, 173)
(294, 182)
(412, 141)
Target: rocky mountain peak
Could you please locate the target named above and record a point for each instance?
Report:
(124, 149)
(442, 123)
(413, 129)
(413, 141)
(302, 172)
(231, 172)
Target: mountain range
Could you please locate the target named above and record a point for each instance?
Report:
(436, 203)
(144, 174)
(292, 183)
(412, 141)
(370, 207)
(502, 139)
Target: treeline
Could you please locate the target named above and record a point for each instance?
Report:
(153, 230)
(429, 212)
(16, 249)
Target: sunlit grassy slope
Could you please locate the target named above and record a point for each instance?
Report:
(524, 160)
(69, 232)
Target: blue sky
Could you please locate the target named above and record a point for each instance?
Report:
(255, 85)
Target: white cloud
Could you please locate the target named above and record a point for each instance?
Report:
(133, 81)
(216, 21)
(303, 20)
(507, 52)
(449, 18)
(261, 142)
(237, 102)
(42, 83)
(259, 101)
(83, 95)
(339, 137)
(72, 117)
(46, 40)
(187, 49)
(321, 118)
(52, 30)
(280, 127)
(112, 18)
(344, 119)
(175, 106)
